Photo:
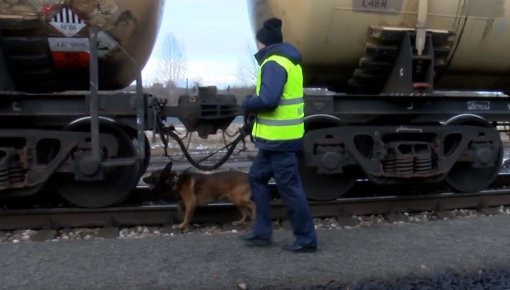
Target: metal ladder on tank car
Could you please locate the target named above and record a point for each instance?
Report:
(391, 64)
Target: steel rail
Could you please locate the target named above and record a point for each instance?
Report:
(225, 212)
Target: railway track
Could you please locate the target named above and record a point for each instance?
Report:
(367, 200)
(156, 215)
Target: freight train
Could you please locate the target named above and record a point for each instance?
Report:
(409, 73)
(392, 93)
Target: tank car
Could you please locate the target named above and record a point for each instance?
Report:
(60, 120)
(335, 39)
(402, 99)
(45, 42)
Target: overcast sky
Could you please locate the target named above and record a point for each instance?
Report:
(216, 36)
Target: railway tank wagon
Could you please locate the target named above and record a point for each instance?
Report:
(60, 118)
(45, 42)
(404, 104)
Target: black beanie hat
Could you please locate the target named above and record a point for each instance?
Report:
(270, 32)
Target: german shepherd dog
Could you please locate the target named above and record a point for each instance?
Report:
(197, 189)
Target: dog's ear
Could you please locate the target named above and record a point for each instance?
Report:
(167, 169)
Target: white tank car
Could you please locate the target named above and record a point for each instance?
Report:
(45, 45)
(332, 36)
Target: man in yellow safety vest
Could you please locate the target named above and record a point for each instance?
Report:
(278, 131)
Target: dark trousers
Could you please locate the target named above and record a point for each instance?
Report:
(284, 168)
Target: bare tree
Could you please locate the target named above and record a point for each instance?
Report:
(172, 64)
(247, 69)
(195, 83)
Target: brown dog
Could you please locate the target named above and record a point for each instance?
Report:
(197, 189)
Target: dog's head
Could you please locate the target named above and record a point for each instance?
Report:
(162, 179)
(152, 180)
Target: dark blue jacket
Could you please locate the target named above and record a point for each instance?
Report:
(273, 79)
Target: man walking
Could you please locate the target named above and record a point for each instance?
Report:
(278, 131)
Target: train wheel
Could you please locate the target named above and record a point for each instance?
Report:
(118, 181)
(147, 154)
(324, 187)
(464, 177)
(147, 159)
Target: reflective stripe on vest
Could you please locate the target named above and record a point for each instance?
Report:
(286, 121)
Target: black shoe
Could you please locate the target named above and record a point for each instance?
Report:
(255, 241)
(299, 249)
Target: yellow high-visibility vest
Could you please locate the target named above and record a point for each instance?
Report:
(286, 121)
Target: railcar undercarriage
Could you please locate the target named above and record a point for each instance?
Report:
(91, 145)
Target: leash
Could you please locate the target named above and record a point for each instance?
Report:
(170, 131)
(230, 149)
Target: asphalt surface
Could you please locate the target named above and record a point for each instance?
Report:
(199, 261)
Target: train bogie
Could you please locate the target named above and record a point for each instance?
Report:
(394, 148)
(54, 146)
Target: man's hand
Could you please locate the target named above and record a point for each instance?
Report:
(249, 119)
(245, 102)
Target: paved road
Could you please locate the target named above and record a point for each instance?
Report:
(197, 261)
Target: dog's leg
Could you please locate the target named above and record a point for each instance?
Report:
(244, 215)
(253, 210)
(190, 203)
(247, 208)
(188, 213)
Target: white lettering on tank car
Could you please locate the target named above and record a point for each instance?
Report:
(69, 44)
(67, 22)
(377, 5)
(105, 44)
